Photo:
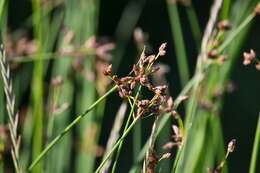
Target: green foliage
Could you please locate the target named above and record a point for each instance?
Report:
(59, 84)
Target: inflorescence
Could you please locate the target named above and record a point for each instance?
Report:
(139, 77)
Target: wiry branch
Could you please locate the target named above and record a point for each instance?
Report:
(210, 26)
(10, 103)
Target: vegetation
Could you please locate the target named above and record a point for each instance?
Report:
(68, 103)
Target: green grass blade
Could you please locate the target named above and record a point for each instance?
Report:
(67, 129)
(37, 87)
(225, 9)
(178, 43)
(255, 152)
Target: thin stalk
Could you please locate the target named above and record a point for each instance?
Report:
(67, 129)
(117, 144)
(137, 139)
(165, 118)
(37, 86)
(179, 43)
(256, 147)
(126, 127)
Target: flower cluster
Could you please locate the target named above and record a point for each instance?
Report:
(139, 77)
(250, 57)
(216, 40)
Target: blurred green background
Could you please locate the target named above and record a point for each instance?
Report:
(116, 21)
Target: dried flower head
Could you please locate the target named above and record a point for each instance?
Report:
(249, 57)
(139, 76)
(162, 50)
(231, 145)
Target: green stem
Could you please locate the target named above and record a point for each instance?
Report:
(125, 129)
(37, 86)
(166, 117)
(137, 140)
(117, 144)
(255, 152)
(68, 128)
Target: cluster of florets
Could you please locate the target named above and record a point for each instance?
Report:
(250, 57)
(139, 76)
